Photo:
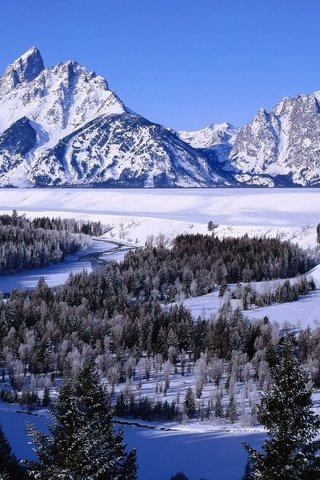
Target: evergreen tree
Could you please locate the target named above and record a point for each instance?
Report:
(179, 476)
(190, 403)
(290, 452)
(318, 233)
(218, 408)
(9, 467)
(231, 412)
(83, 443)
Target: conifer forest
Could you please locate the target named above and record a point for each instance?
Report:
(120, 337)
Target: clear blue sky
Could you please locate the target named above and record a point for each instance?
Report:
(182, 63)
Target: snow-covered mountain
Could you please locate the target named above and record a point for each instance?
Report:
(215, 142)
(281, 147)
(63, 126)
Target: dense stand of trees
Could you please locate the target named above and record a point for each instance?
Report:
(114, 316)
(26, 244)
(196, 264)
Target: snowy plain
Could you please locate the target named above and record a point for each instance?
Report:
(134, 216)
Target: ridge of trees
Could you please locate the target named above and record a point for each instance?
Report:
(196, 264)
(28, 244)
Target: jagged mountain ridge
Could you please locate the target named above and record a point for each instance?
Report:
(284, 143)
(62, 125)
(278, 148)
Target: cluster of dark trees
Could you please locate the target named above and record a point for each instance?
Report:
(27, 244)
(91, 228)
(284, 292)
(146, 408)
(196, 264)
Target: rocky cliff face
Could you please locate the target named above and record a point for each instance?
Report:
(282, 146)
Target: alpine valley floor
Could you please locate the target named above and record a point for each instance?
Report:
(133, 216)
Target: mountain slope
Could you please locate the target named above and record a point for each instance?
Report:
(281, 147)
(63, 125)
(73, 130)
(122, 150)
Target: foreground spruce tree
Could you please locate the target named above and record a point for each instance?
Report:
(83, 443)
(291, 451)
(9, 466)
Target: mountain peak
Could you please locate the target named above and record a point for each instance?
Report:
(25, 69)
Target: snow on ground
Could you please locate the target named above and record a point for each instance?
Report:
(132, 216)
(136, 213)
(199, 454)
(54, 274)
(301, 314)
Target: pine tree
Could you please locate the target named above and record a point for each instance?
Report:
(290, 452)
(231, 412)
(179, 476)
(190, 403)
(83, 443)
(9, 467)
(218, 408)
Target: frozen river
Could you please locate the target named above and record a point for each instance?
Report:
(208, 455)
(58, 273)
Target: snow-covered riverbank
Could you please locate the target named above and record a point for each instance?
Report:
(57, 274)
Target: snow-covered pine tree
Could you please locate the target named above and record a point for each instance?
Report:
(83, 443)
(190, 402)
(291, 450)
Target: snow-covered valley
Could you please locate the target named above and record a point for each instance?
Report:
(200, 449)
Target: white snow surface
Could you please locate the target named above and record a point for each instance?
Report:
(301, 314)
(198, 452)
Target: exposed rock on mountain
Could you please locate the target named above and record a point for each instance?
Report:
(281, 147)
(63, 126)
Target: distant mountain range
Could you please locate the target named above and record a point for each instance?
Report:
(63, 126)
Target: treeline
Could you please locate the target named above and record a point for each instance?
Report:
(27, 244)
(93, 229)
(62, 224)
(282, 293)
(196, 264)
